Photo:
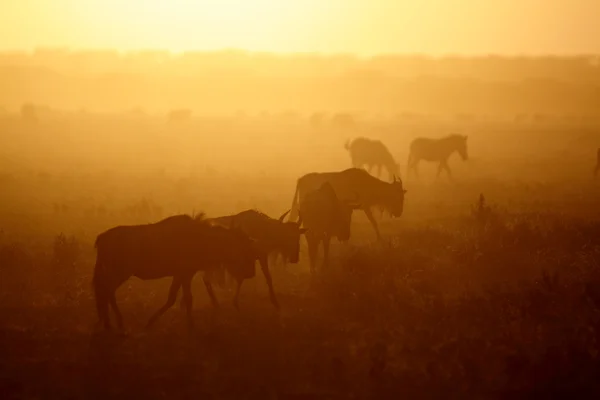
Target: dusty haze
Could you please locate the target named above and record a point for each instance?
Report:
(487, 285)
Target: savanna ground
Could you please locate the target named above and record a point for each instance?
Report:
(462, 300)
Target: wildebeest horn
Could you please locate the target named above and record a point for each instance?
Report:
(283, 216)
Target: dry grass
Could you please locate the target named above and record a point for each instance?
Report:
(467, 298)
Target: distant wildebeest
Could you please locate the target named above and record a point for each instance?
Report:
(325, 216)
(437, 150)
(29, 112)
(179, 115)
(271, 235)
(178, 246)
(343, 121)
(364, 151)
(348, 183)
(597, 168)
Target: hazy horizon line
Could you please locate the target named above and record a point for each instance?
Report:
(360, 55)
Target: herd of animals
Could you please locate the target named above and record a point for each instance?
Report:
(182, 245)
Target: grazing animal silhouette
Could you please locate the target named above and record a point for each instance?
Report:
(350, 182)
(372, 153)
(270, 235)
(179, 115)
(438, 150)
(597, 168)
(178, 246)
(325, 216)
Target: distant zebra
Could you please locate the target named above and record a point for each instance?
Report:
(364, 151)
(597, 168)
(436, 150)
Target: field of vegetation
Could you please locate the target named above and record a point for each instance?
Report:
(466, 297)
(488, 286)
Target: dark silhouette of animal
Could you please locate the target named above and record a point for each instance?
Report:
(372, 153)
(271, 235)
(325, 216)
(178, 246)
(436, 150)
(597, 168)
(348, 183)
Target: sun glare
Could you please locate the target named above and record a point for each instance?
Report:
(187, 24)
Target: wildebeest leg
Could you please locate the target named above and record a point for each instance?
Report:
(414, 166)
(439, 170)
(371, 218)
(209, 288)
(274, 258)
(237, 294)
(264, 265)
(326, 242)
(102, 304)
(113, 303)
(186, 284)
(173, 290)
(313, 250)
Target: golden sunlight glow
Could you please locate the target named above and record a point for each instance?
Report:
(188, 24)
(356, 26)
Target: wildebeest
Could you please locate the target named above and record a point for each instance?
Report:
(347, 185)
(364, 151)
(271, 235)
(179, 115)
(597, 168)
(177, 246)
(437, 150)
(325, 216)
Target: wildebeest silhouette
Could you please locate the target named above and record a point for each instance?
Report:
(347, 184)
(270, 235)
(179, 115)
(325, 216)
(372, 153)
(436, 150)
(178, 246)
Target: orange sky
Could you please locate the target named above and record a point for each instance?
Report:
(357, 26)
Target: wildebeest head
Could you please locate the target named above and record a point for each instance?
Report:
(395, 203)
(462, 148)
(290, 238)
